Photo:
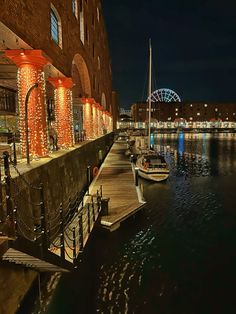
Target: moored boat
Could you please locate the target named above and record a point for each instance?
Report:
(152, 166)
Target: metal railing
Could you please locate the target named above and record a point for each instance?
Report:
(63, 231)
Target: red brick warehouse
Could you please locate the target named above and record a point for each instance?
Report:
(62, 46)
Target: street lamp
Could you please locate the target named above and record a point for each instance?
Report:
(35, 85)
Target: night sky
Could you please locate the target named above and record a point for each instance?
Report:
(194, 47)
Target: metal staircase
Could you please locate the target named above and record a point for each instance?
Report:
(44, 241)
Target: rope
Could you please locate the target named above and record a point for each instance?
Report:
(56, 246)
(53, 235)
(23, 178)
(68, 236)
(68, 255)
(19, 219)
(68, 244)
(25, 236)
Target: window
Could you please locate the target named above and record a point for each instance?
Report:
(56, 32)
(205, 105)
(75, 8)
(198, 114)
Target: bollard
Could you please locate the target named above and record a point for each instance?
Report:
(104, 206)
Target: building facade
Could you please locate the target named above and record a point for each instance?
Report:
(62, 48)
(186, 114)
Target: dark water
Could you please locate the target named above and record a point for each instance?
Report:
(179, 254)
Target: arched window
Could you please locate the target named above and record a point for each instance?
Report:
(56, 32)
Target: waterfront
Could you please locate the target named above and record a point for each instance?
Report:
(178, 255)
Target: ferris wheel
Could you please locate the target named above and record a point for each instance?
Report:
(164, 95)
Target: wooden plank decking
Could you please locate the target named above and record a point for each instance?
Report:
(117, 180)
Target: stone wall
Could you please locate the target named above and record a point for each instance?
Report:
(15, 281)
(61, 177)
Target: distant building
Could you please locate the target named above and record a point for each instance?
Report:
(168, 114)
(126, 112)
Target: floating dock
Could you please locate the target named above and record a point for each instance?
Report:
(117, 179)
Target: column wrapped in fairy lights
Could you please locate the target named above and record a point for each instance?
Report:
(99, 119)
(105, 120)
(87, 117)
(63, 110)
(95, 119)
(30, 65)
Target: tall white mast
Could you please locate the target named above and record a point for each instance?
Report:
(149, 94)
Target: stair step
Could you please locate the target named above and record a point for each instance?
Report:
(18, 257)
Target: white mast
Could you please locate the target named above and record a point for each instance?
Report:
(149, 94)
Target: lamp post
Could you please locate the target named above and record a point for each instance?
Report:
(35, 85)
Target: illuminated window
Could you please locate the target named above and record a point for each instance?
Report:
(227, 119)
(176, 109)
(169, 118)
(75, 8)
(198, 114)
(56, 32)
(205, 105)
(191, 118)
(176, 113)
(191, 105)
(234, 114)
(216, 109)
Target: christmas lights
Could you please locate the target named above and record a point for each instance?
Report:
(30, 71)
(63, 110)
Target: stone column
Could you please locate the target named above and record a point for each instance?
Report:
(63, 110)
(100, 131)
(30, 71)
(95, 120)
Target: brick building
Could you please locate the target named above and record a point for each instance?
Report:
(62, 46)
(185, 112)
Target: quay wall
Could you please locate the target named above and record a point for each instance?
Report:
(62, 177)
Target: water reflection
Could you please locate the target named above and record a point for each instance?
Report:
(178, 256)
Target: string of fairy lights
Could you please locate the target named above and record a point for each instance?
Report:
(27, 75)
(30, 64)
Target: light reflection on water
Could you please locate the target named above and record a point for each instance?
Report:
(178, 255)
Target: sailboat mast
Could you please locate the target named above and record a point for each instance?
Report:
(149, 94)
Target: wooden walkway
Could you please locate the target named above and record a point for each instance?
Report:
(118, 184)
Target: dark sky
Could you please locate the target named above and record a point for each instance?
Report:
(194, 47)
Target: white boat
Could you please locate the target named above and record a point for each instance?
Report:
(151, 166)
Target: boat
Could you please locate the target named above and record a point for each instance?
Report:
(151, 165)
